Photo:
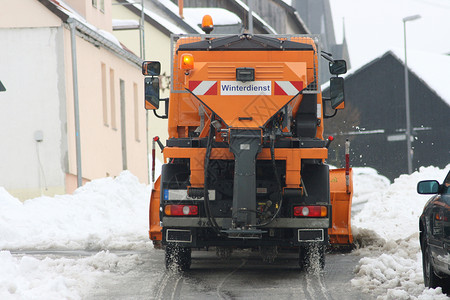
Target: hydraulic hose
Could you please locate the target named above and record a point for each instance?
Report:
(275, 171)
(211, 218)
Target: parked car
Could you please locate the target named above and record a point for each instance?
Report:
(434, 226)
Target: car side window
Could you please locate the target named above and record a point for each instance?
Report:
(446, 190)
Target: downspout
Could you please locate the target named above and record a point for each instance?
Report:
(71, 23)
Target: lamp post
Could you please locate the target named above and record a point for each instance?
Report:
(408, 117)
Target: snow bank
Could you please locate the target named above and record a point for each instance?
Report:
(103, 214)
(387, 229)
(113, 214)
(31, 278)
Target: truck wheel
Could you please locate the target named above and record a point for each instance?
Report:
(429, 277)
(312, 258)
(177, 258)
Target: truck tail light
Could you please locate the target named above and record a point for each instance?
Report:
(181, 210)
(312, 211)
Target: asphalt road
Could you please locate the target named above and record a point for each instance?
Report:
(243, 276)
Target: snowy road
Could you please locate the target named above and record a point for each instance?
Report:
(243, 276)
(113, 214)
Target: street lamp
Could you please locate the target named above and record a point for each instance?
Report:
(408, 118)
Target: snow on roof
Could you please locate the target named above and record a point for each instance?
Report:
(432, 68)
(220, 16)
(117, 23)
(174, 8)
(164, 22)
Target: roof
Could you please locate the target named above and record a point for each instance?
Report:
(161, 15)
(173, 9)
(256, 17)
(220, 16)
(433, 70)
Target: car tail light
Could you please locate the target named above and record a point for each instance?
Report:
(181, 210)
(313, 211)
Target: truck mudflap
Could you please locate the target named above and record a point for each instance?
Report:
(155, 233)
(341, 193)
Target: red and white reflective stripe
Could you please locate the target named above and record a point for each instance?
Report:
(203, 87)
(289, 88)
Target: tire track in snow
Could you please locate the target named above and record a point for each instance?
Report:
(219, 293)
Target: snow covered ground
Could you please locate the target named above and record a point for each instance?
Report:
(112, 214)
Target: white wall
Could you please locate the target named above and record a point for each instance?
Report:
(29, 70)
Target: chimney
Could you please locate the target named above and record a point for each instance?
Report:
(180, 8)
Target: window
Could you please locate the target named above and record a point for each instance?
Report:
(136, 112)
(113, 99)
(94, 3)
(104, 96)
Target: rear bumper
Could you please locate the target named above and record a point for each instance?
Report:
(277, 223)
(282, 232)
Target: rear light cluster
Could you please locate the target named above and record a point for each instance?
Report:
(312, 211)
(181, 210)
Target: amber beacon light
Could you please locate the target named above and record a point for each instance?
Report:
(207, 24)
(187, 62)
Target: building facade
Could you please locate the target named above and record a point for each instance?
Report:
(37, 110)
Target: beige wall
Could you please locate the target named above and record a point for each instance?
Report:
(101, 138)
(26, 13)
(41, 99)
(157, 48)
(98, 15)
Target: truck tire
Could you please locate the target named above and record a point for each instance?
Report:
(177, 258)
(311, 258)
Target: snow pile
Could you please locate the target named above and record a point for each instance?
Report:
(367, 185)
(387, 226)
(31, 278)
(113, 214)
(103, 214)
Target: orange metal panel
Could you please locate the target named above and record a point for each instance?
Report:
(292, 157)
(341, 202)
(155, 229)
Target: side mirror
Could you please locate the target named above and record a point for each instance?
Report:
(337, 92)
(428, 187)
(338, 67)
(151, 68)
(151, 85)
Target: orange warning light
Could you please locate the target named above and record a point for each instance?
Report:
(207, 24)
(187, 61)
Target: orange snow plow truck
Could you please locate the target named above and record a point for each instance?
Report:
(245, 159)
